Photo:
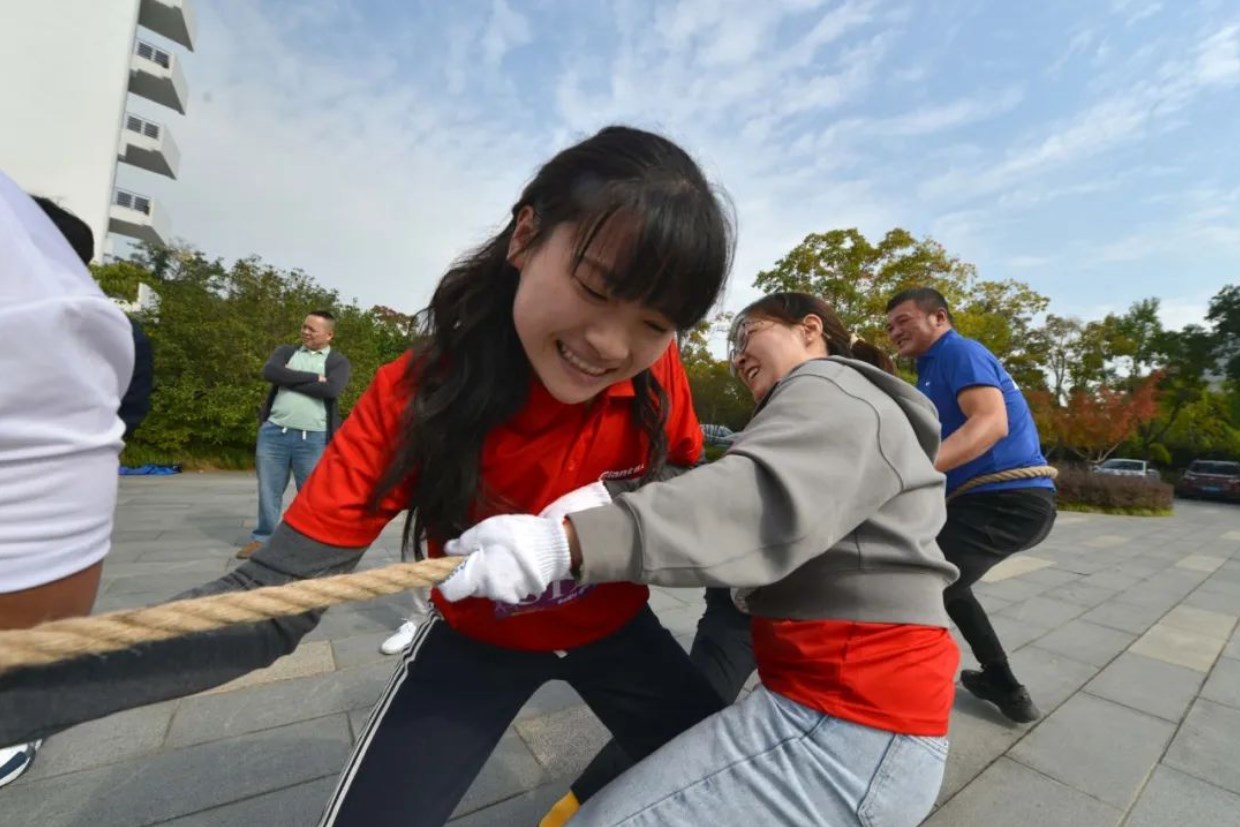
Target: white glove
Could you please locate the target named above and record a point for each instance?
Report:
(588, 496)
(511, 557)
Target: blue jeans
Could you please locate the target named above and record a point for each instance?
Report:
(769, 760)
(281, 452)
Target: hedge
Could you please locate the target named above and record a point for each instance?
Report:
(1083, 490)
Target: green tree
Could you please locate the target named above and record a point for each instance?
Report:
(215, 326)
(1224, 318)
(857, 278)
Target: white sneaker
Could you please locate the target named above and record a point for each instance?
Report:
(16, 760)
(398, 642)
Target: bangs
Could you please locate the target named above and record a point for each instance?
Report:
(663, 251)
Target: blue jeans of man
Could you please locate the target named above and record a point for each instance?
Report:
(282, 452)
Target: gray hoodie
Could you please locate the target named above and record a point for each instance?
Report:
(827, 505)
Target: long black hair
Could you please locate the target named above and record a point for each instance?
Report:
(469, 372)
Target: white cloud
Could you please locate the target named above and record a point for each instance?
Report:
(951, 115)
(506, 30)
(1148, 103)
(1218, 59)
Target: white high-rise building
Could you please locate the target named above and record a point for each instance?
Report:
(69, 70)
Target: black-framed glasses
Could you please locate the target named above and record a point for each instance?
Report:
(738, 338)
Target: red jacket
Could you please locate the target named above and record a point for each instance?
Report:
(546, 450)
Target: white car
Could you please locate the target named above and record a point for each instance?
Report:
(1126, 468)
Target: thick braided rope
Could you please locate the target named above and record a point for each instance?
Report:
(1032, 472)
(76, 636)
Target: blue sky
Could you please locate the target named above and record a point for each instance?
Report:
(1087, 147)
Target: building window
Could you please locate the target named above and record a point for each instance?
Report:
(135, 124)
(131, 201)
(149, 52)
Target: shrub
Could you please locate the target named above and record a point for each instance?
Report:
(1083, 489)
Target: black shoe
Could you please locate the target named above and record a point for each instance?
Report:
(1015, 704)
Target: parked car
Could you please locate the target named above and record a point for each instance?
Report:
(1126, 468)
(719, 435)
(1213, 479)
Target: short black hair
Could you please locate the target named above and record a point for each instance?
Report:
(76, 231)
(927, 299)
(327, 315)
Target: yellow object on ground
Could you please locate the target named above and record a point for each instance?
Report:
(561, 812)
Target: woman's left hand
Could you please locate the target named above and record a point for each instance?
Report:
(510, 558)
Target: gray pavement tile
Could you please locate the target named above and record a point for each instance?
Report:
(359, 650)
(1097, 747)
(1212, 601)
(291, 807)
(357, 721)
(1008, 794)
(166, 584)
(135, 535)
(564, 742)
(113, 570)
(979, 735)
(1051, 576)
(992, 604)
(1173, 798)
(1151, 594)
(103, 741)
(661, 601)
(527, 808)
(694, 596)
(1127, 617)
(1087, 642)
(141, 791)
(118, 602)
(1111, 579)
(1082, 593)
(338, 623)
(1148, 685)
(1223, 685)
(1015, 633)
(1222, 584)
(1014, 589)
(213, 717)
(1084, 565)
(1044, 611)
(1140, 568)
(553, 696)
(511, 770)
(1205, 746)
(1050, 677)
(1233, 647)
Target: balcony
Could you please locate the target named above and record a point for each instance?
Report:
(137, 217)
(174, 19)
(149, 146)
(156, 75)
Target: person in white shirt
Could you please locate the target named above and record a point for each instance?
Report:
(67, 359)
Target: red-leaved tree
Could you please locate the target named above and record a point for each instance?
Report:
(1093, 423)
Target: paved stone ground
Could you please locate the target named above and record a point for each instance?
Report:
(1124, 629)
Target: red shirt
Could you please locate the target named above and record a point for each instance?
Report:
(546, 450)
(898, 678)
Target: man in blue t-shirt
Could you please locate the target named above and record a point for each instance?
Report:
(987, 428)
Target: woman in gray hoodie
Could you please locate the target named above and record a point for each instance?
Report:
(823, 517)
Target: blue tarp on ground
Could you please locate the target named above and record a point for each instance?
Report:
(150, 470)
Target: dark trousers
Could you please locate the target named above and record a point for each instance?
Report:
(452, 698)
(722, 651)
(981, 531)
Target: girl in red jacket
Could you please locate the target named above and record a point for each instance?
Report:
(548, 364)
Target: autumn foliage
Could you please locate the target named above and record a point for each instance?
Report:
(1092, 423)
